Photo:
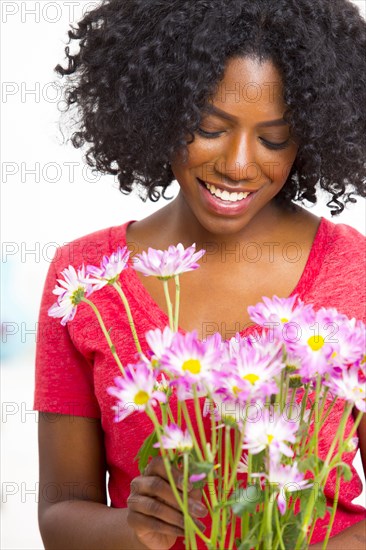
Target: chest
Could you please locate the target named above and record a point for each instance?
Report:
(215, 298)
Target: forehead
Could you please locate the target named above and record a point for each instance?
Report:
(249, 85)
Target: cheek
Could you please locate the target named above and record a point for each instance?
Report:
(201, 153)
(284, 165)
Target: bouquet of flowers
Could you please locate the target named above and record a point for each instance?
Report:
(242, 419)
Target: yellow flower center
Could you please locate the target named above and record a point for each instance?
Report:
(316, 342)
(334, 354)
(141, 397)
(192, 365)
(236, 390)
(269, 438)
(284, 320)
(252, 378)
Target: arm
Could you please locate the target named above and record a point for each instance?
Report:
(355, 536)
(73, 511)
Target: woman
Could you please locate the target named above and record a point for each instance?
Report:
(250, 106)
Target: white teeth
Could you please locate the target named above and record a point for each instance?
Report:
(225, 195)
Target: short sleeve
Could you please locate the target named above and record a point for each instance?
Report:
(63, 377)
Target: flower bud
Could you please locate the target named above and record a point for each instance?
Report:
(351, 445)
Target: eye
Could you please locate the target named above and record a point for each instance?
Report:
(208, 135)
(275, 146)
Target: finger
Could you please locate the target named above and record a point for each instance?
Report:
(153, 486)
(141, 522)
(153, 507)
(156, 487)
(156, 467)
(196, 494)
(196, 505)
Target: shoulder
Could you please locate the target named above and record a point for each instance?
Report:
(340, 282)
(346, 246)
(90, 248)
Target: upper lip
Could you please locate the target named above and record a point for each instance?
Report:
(228, 189)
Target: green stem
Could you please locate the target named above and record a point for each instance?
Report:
(236, 460)
(215, 509)
(207, 503)
(170, 414)
(177, 300)
(332, 463)
(168, 304)
(308, 443)
(191, 431)
(201, 429)
(164, 418)
(282, 379)
(118, 287)
(225, 489)
(190, 539)
(245, 516)
(323, 475)
(268, 541)
(279, 530)
(179, 414)
(262, 523)
(292, 400)
(334, 508)
(354, 428)
(173, 486)
(213, 429)
(338, 437)
(232, 533)
(316, 423)
(106, 334)
(303, 402)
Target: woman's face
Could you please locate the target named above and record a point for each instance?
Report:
(242, 146)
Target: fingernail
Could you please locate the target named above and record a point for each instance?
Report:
(180, 484)
(197, 508)
(200, 525)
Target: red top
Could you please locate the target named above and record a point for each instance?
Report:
(74, 365)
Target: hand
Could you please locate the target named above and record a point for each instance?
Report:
(153, 512)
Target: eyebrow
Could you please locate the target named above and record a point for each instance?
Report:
(211, 109)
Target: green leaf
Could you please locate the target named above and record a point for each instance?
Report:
(247, 544)
(250, 540)
(146, 451)
(319, 501)
(246, 500)
(321, 505)
(307, 464)
(258, 461)
(290, 534)
(305, 494)
(346, 471)
(200, 467)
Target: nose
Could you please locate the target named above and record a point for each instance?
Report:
(237, 161)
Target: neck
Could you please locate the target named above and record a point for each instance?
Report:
(183, 226)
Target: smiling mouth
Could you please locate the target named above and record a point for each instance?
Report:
(224, 195)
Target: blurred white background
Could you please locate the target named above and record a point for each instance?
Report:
(49, 198)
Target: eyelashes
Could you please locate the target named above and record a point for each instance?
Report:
(268, 144)
(208, 135)
(276, 146)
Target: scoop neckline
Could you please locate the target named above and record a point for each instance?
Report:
(309, 273)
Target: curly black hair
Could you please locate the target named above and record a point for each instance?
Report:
(146, 69)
